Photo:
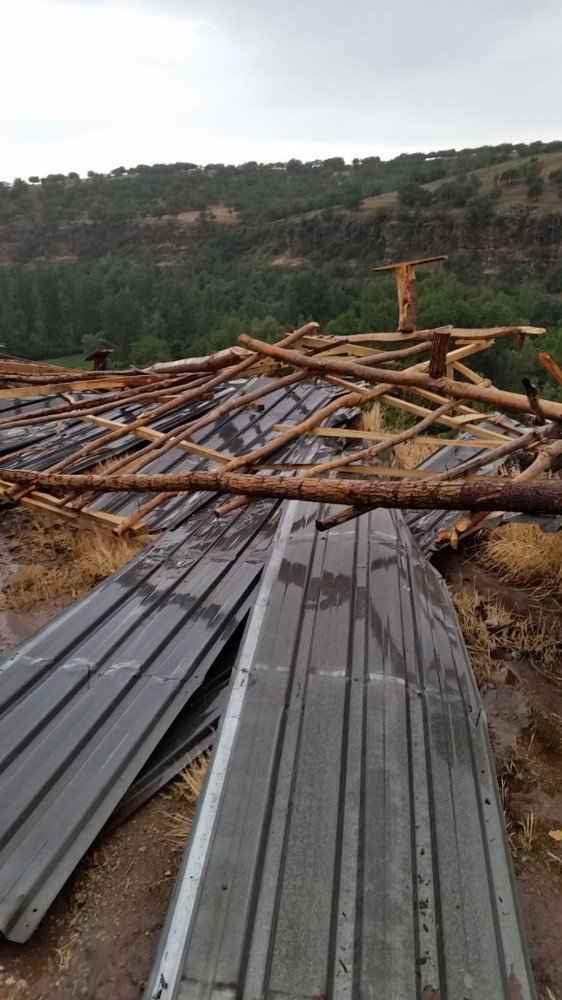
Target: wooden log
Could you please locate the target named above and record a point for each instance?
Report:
(551, 364)
(534, 437)
(224, 358)
(439, 350)
(456, 390)
(476, 494)
(405, 274)
(457, 333)
(209, 363)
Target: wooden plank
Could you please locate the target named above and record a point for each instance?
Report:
(53, 389)
(341, 432)
(467, 373)
(45, 503)
(150, 434)
(412, 263)
(422, 411)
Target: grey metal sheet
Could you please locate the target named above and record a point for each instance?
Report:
(85, 701)
(350, 840)
(192, 732)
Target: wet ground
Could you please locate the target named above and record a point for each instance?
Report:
(524, 712)
(99, 938)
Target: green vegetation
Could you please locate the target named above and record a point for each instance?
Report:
(258, 191)
(148, 314)
(106, 261)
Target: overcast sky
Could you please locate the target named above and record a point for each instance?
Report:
(95, 84)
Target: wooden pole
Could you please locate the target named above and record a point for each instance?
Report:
(408, 380)
(518, 444)
(405, 275)
(438, 354)
(475, 494)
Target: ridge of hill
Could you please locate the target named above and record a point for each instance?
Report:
(177, 259)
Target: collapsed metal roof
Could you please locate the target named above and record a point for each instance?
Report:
(350, 839)
(85, 701)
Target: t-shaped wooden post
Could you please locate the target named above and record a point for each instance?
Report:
(406, 287)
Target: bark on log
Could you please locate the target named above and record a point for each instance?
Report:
(438, 354)
(411, 379)
(478, 494)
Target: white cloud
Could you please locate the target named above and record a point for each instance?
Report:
(92, 84)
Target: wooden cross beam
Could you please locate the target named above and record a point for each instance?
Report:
(405, 274)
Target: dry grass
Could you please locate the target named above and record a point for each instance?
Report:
(189, 784)
(519, 770)
(410, 453)
(491, 631)
(58, 559)
(372, 418)
(522, 553)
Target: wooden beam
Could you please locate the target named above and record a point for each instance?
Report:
(46, 504)
(53, 388)
(345, 432)
(150, 434)
(543, 495)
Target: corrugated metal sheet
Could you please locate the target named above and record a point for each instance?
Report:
(350, 840)
(192, 732)
(236, 433)
(85, 701)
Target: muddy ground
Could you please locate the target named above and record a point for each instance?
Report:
(99, 938)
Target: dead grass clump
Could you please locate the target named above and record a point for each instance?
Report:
(372, 418)
(411, 453)
(522, 553)
(189, 784)
(58, 559)
(491, 632)
(475, 614)
(518, 770)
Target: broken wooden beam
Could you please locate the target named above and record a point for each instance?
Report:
(405, 274)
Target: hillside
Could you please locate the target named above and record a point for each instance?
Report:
(171, 259)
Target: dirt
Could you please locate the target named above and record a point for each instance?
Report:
(15, 626)
(524, 713)
(100, 936)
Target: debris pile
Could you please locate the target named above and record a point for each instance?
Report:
(352, 742)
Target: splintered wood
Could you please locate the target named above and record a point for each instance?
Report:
(102, 432)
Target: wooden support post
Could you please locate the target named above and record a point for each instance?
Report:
(439, 350)
(405, 274)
